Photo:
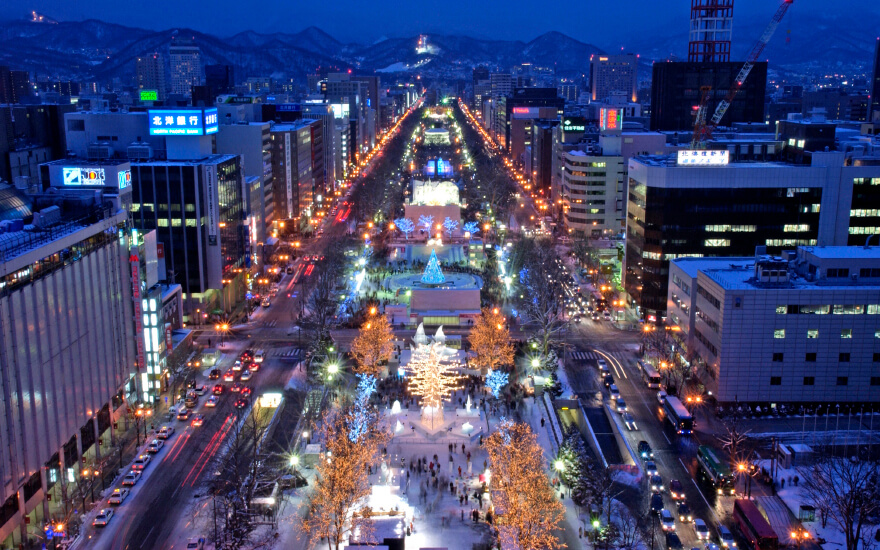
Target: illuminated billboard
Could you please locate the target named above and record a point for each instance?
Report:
(149, 95)
(610, 119)
(574, 124)
(703, 158)
(124, 177)
(525, 112)
(183, 122)
(82, 176)
(438, 167)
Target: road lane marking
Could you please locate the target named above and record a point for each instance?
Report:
(666, 436)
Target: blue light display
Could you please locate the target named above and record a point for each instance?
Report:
(495, 380)
(183, 122)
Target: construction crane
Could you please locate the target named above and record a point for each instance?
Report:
(702, 129)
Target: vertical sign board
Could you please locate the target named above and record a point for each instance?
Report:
(288, 174)
(610, 119)
(211, 204)
(136, 298)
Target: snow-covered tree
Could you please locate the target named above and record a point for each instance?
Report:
(405, 225)
(450, 225)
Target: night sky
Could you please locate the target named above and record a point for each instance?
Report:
(608, 23)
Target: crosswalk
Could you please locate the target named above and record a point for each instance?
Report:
(295, 354)
(269, 324)
(584, 355)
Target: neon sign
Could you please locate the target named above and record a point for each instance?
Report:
(610, 119)
(83, 176)
(183, 122)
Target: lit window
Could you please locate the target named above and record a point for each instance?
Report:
(779, 333)
(812, 333)
(781, 309)
(154, 319)
(801, 143)
(146, 320)
(152, 304)
(716, 242)
(846, 333)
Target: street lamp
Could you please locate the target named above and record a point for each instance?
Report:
(799, 536)
(294, 461)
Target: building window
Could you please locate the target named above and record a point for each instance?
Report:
(875, 380)
(809, 380)
(833, 273)
(846, 333)
(777, 357)
(812, 333)
(779, 333)
(782, 310)
(716, 242)
(810, 357)
(844, 358)
(775, 380)
(842, 380)
(877, 357)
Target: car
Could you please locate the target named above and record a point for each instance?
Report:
(711, 546)
(656, 484)
(701, 529)
(236, 386)
(214, 374)
(661, 396)
(191, 383)
(201, 389)
(246, 375)
(289, 270)
(603, 366)
(651, 468)
(667, 520)
(621, 405)
(140, 462)
(218, 389)
(117, 496)
(673, 542)
(607, 316)
(595, 317)
(229, 376)
(645, 450)
(254, 366)
(726, 537)
(246, 355)
(131, 478)
(103, 518)
(259, 356)
(656, 503)
(684, 513)
(195, 543)
(165, 432)
(246, 392)
(237, 366)
(608, 380)
(614, 391)
(241, 404)
(198, 420)
(191, 400)
(676, 491)
(630, 422)
(266, 302)
(212, 401)
(183, 414)
(155, 446)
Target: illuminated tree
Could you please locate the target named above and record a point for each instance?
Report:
(373, 345)
(433, 380)
(471, 227)
(433, 275)
(341, 481)
(405, 225)
(450, 225)
(427, 222)
(490, 340)
(495, 380)
(527, 509)
(363, 414)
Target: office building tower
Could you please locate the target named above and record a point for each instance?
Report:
(800, 327)
(19, 83)
(151, 75)
(479, 74)
(373, 98)
(68, 342)
(186, 67)
(613, 75)
(521, 109)
(219, 78)
(340, 89)
(675, 93)
(568, 91)
(323, 112)
(292, 170)
(874, 111)
(31, 135)
(7, 94)
(710, 32)
(701, 205)
(502, 84)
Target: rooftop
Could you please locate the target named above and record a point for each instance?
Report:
(844, 252)
(691, 266)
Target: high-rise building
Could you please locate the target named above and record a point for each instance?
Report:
(7, 95)
(292, 169)
(613, 75)
(324, 113)
(675, 93)
(151, 74)
(502, 84)
(521, 109)
(874, 111)
(798, 327)
(21, 86)
(703, 206)
(479, 74)
(186, 67)
(710, 32)
(67, 341)
(219, 78)
(29, 136)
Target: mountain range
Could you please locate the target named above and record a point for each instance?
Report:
(96, 50)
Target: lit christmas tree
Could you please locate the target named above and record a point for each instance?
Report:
(471, 227)
(495, 380)
(432, 379)
(433, 275)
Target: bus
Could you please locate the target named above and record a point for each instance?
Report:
(754, 526)
(716, 471)
(649, 375)
(678, 415)
(599, 301)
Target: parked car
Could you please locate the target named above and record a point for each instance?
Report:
(140, 462)
(103, 518)
(155, 446)
(667, 521)
(117, 496)
(165, 432)
(684, 513)
(131, 478)
(630, 421)
(645, 450)
(701, 529)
